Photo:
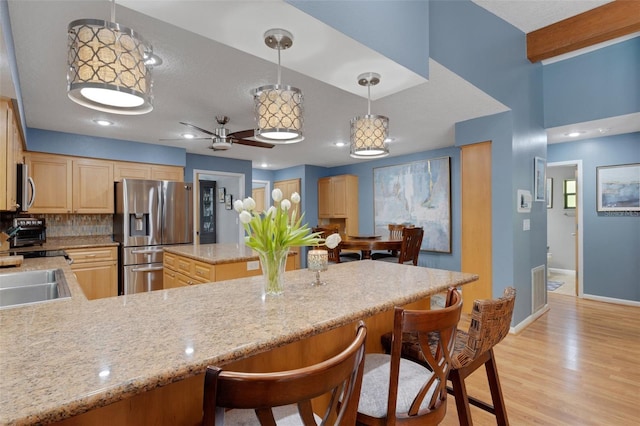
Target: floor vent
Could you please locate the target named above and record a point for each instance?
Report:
(538, 288)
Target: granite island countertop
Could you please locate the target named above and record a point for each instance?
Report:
(63, 358)
(216, 254)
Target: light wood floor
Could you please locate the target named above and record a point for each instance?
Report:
(578, 364)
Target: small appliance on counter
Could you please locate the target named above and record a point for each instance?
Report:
(28, 231)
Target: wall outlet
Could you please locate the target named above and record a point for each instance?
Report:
(253, 265)
(526, 224)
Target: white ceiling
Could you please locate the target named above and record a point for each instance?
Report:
(211, 68)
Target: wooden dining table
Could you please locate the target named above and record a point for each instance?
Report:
(368, 243)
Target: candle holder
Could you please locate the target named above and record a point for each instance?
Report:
(317, 261)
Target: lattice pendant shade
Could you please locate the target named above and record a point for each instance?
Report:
(107, 69)
(368, 134)
(279, 112)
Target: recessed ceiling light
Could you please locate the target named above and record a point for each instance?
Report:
(103, 122)
(263, 165)
(340, 144)
(573, 134)
(188, 135)
(387, 140)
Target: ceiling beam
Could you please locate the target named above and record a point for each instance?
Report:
(609, 21)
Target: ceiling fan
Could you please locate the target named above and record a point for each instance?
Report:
(222, 139)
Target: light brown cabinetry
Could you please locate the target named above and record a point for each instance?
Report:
(288, 187)
(125, 169)
(338, 202)
(180, 271)
(96, 270)
(10, 155)
(71, 184)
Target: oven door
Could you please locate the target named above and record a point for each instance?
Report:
(142, 278)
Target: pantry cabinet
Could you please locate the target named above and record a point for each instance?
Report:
(338, 202)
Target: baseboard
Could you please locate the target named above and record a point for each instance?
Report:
(530, 319)
(611, 300)
(563, 271)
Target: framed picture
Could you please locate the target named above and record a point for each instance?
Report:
(221, 194)
(539, 178)
(228, 201)
(618, 188)
(549, 193)
(418, 193)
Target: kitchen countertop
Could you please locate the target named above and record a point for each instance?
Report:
(61, 243)
(216, 254)
(65, 357)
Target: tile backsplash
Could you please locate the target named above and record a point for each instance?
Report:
(73, 225)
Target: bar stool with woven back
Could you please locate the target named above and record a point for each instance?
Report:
(235, 398)
(399, 391)
(490, 323)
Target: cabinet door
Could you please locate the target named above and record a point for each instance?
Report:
(339, 190)
(97, 279)
(325, 198)
(131, 171)
(52, 176)
(167, 173)
(288, 187)
(92, 186)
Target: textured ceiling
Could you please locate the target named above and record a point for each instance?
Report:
(211, 62)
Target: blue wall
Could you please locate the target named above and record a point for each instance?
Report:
(491, 54)
(218, 164)
(94, 147)
(611, 239)
(604, 83)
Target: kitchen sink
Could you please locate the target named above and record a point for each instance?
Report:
(20, 288)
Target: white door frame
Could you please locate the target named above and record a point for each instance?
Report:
(580, 266)
(196, 197)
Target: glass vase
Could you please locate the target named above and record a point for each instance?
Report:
(273, 265)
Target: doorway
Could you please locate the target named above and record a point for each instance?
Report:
(564, 228)
(229, 187)
(261, 194)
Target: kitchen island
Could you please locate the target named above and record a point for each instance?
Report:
(140, 358)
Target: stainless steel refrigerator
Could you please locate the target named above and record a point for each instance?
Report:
(149, 215)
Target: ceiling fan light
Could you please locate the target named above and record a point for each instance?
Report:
(106, 67)
(220, 145)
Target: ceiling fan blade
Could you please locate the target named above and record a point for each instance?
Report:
(185, 139)
(252, 143)
(198, 128)
(242, 134)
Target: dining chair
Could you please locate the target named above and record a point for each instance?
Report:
(409, 250)
(396, 390)
(261, 398)
(335, 255)
(490, 323)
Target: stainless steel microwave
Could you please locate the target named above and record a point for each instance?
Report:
(26, 191)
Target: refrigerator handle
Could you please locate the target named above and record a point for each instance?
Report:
(149, 269)
(146, 251)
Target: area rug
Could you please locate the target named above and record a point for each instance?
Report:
(553, 285)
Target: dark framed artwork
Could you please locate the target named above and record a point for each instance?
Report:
(539, 178)
(418, 193)
(618, 188)
(228, 201)
(221, 193)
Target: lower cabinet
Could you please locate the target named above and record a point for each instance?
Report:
(96, 270)
(180, 271)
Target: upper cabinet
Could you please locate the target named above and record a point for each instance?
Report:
(338, 202)
(10, 155)
(71, 185)
(67, 184)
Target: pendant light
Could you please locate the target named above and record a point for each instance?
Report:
(109, 67)
(368, 132)
(278, 108)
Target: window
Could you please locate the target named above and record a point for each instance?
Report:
(569, 191)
